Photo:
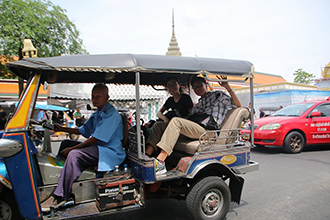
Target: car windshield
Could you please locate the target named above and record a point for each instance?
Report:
(294, 110)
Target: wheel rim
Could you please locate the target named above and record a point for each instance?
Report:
(5, 211)
(295, 143)
(74, 136)
(212, 203)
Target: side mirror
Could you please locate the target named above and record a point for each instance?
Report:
(315, 114)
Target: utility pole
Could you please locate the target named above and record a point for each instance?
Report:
(28, 51)
(20, 80)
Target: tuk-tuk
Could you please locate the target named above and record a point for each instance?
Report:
(207, 173)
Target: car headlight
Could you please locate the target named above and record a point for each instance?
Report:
(272, 126)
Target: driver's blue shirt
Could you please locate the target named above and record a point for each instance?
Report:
(106, 126)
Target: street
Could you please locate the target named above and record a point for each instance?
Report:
(286, 186)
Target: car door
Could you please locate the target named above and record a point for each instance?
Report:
(320, 126)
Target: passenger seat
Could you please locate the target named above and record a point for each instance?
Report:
(233, 120)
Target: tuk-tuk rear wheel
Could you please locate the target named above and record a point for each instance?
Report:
(209, 199)
(8, 207)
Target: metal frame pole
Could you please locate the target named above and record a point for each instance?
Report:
(252, 113)
(137, 113)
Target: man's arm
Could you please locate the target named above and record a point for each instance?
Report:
(234, 97)
(58, 127)
(230, 91)
(89, 142)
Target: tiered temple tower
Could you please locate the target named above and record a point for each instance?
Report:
(324, 82)
(173, 49)
(326, 71)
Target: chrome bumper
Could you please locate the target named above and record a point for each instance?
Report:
(253, 166)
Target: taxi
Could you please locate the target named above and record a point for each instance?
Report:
(294, 126)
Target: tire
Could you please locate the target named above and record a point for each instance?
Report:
(8, 207)
(74, 136)
(209, 198)
(294, 142)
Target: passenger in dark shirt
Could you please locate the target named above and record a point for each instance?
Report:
(180, 104)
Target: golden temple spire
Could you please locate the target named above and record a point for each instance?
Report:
(173, 49)
(326, 71)
(173, 33)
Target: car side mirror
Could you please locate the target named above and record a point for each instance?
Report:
(315, 114)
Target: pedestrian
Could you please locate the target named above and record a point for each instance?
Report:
(41, 115)
(262, 113)
(3, 118)
(55, 117)
(78, 118)
(252, 109)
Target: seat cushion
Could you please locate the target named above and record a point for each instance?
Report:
(186, 145)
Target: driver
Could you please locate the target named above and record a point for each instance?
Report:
(104, 130)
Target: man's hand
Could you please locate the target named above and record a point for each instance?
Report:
(66, 151)
(223, 84)
(230, 91)
(57, 127)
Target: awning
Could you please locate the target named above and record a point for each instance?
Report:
(51, 107)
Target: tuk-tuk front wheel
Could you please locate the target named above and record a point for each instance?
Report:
(209, 199)
(8, 207)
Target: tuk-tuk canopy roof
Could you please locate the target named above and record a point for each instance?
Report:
(121, 68)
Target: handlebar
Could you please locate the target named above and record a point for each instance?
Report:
(44, 123)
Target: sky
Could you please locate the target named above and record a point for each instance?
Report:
(278, 37)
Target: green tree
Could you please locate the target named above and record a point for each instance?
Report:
(51, 31)
(303, 77)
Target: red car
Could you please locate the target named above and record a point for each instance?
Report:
(294, 126)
